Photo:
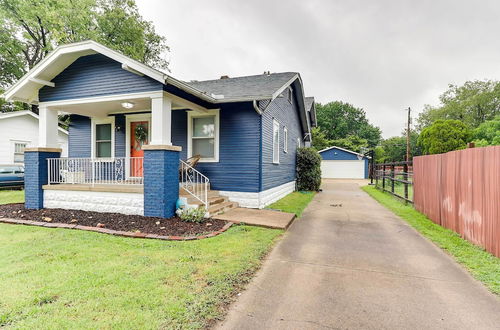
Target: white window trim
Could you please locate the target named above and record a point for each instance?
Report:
(131, 118)
(276, 157)
(299, 144)
(13, 148)
(97, 121)
(285, 139)
(193, 114)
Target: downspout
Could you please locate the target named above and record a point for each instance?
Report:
(256, 107)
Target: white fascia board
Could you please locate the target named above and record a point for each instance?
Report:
(107, 98)
(18, 114)
(27, 113)
(82, 47)
(285, 86)
(346, 150)
(43, 82)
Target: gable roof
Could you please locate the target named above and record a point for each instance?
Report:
(257, 87)
(311, 107)
(309, 102)
(26, 88)
(13, 114)
(346, 150)
(241, 89)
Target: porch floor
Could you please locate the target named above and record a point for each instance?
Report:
(262, 218)
(122, 188)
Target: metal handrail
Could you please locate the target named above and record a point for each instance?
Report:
(194, 183)
(117, 170)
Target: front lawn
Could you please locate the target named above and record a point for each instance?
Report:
(11, 196)
(294, 202)
(482, 265)
(61, 278)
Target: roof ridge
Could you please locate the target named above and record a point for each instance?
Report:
(240, 77)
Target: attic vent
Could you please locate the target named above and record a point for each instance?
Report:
(224, 77)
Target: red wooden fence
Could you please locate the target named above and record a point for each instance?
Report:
(460, 190)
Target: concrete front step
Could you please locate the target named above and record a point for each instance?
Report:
(221, 208)
(211, 193)
(217, 204)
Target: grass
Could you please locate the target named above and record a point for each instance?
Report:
(60, 278)
(294, 202)
(482, 265)
(11, 196)
(399, 188)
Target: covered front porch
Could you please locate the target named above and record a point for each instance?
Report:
(129, 141)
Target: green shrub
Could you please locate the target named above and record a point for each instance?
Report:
(192, 214)
(308, 169)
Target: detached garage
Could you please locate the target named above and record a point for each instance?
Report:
(340, 163)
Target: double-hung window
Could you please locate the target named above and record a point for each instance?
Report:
(276, 142)
(19, 152)
(204, 136)
(103, 140)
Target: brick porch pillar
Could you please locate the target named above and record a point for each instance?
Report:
(161, 180)
(36, 174)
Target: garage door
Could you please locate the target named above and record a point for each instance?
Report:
(343, 169)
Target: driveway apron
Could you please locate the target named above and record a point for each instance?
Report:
(349, 263)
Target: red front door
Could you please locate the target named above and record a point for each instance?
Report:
(138, 130)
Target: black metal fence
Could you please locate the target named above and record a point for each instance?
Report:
(396, 179)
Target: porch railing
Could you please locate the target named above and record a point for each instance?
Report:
(118, 170)
(194, 183)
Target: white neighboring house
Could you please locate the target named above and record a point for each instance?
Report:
(18, 130)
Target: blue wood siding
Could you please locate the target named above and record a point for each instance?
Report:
(96, 75)
(79, 139)
(239, 147)
(120, 136)
(337, 154)
(287, 115)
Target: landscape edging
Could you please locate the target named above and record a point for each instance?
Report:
(114, 232)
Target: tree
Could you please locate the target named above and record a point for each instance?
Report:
(319, 140)
(394, 149)
(488, 133)
(339, 120)
(474, 103)
(32, 28)
(352, 142)
(444, 136)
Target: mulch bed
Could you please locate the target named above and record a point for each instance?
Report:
(115, 223)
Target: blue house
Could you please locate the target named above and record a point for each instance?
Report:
(340, 163)
(134, 132)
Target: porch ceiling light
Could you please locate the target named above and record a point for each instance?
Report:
(127, 105)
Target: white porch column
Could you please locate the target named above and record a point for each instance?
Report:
(47, 128)
(161, 121)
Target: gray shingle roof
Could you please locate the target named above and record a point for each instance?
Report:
(309, 101)
(258, 87)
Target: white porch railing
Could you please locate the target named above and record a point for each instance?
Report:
(194, 183)
(119, 170)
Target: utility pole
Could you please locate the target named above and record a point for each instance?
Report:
(408, 136)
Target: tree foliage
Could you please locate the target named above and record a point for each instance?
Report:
(32, 28)
(340, 121)
(474, 102)
(393, 149)
(443, 136)
(488, 133)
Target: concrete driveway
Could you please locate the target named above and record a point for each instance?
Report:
(349, 263)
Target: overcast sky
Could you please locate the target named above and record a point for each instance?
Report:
(380, 55)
